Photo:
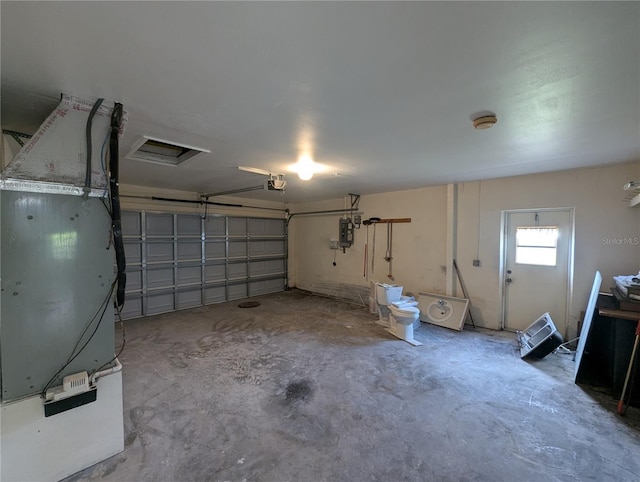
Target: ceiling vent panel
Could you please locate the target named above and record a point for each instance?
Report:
(159, 151)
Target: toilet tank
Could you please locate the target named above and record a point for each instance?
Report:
(387, 293)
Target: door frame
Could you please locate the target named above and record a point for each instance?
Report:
(504, 214)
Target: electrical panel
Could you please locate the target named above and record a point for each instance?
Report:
(346, 233)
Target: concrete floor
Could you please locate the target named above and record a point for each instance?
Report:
(305, 388)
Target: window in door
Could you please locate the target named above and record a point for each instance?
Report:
(537, 245)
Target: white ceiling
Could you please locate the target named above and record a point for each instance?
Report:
(382, 93)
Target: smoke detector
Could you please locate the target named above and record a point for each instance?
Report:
(485, 122)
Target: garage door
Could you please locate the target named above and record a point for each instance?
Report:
(178, 261)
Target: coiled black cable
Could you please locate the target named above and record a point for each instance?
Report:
(116, 222)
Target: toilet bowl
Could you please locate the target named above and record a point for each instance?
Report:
(401, 321)
(382, 293)
(398, 313)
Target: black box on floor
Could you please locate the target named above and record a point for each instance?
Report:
(540, 338)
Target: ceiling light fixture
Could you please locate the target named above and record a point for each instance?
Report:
(305, 167)
(485, 122)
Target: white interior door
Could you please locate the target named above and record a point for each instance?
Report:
(537, 261)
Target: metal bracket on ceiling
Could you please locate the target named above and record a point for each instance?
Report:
(357, 219)
(17, 136)
(355, 201)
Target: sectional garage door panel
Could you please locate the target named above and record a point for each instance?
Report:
(178, 261)
(266, 247)
(159, 225)
(189, 250)
(265, 268)
(237, 226)
(160, 278)
(266, 286)
(215, 226)
(159, 303)
(131, 224)
(237, 271)
(215, 295)
(159, 252)
(215, 250)
(189, 225)
(265, 227)
(133, 307)
(189, 275)
(134, 280)
(215, 272)
(237, 292)
(237, 249)
(133, 252)
(189, 299)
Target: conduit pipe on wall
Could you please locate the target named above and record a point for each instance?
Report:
(106, 372)
(92, 113)
(326, 211)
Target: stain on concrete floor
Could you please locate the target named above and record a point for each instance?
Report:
(298, 391)
(308, 388)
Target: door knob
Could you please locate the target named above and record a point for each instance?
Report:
(508, 271)
(508, 280)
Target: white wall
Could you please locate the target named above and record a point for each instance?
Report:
(600, 215)
(420, 247)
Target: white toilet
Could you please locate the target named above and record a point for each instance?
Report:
(401, 312)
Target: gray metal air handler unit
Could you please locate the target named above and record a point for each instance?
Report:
(62, 271)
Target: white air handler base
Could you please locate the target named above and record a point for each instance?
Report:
(38, 448)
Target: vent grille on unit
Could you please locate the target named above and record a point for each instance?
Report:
(75, 382)
(159, 151)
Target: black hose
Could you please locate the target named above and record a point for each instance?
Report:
(87, 174)
(114, 187)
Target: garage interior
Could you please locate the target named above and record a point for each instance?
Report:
(208, 209)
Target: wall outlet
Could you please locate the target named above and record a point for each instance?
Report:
(476, 262)
(333, 244)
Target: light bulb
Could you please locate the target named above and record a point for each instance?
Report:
(305, 168)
